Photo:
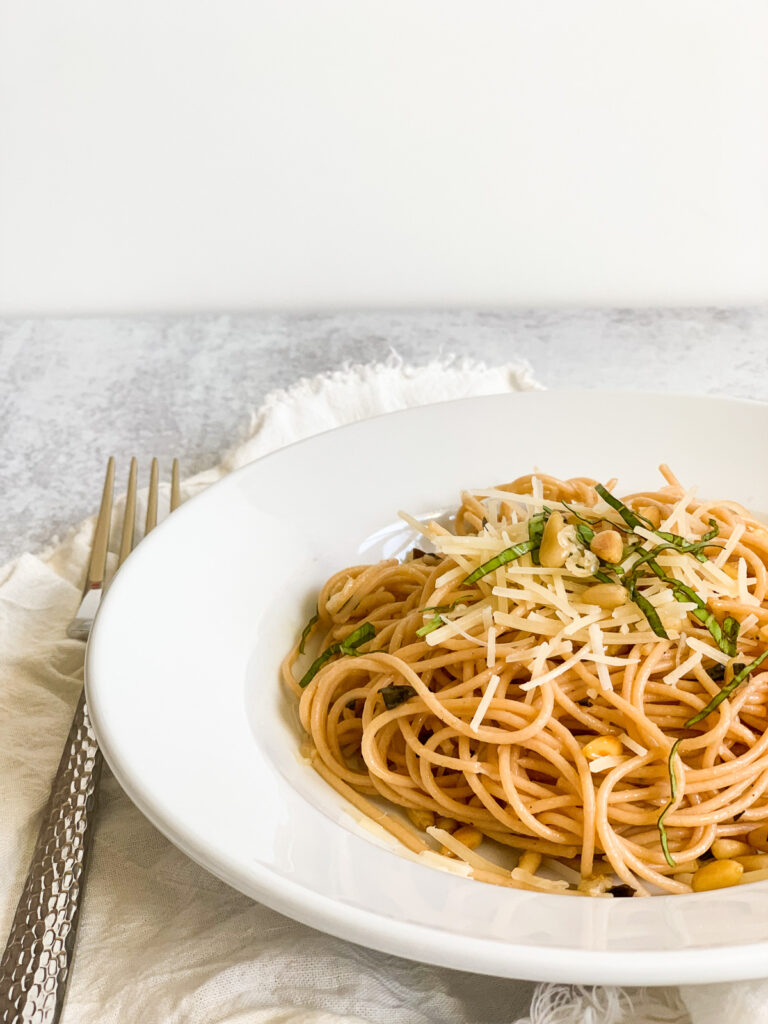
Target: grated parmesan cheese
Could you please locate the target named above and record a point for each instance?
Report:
(730, 544)
(553, 673)
(484, 704)
(490, 655)
(596, 641)
(680, 515)
(672, 677)
(707, 650)
(601, 764)
(632, 745)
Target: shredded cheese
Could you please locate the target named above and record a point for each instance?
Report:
(484, 704)
(490, 656)
(707, 650)
(672, 677)
(736, 535)
(598, 652)
(601, 764)
(632, 745)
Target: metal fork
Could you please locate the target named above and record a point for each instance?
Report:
(37, 961)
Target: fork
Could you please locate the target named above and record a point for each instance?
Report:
(36, 964)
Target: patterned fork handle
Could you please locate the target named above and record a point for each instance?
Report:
(38, 957)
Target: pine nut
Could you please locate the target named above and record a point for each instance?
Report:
(595, 885)
(605, 595)
(602, 867)
(689, 867)
(763, 631)
(470, 837)
(652, 513)
(446, 824)
(602, 746)
(726, 849)
(608, 546)
(754, 861)
(753, 876)
(530, 862)
(420, 818)
(758, 838)
(717, 874)
(686, 877)
(552, 554)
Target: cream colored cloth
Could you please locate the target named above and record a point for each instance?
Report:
(160, 940)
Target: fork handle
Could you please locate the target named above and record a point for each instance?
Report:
(36, 964)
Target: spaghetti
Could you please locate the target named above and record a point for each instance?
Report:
(574, 680)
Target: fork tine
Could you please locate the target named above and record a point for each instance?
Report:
(154, 475)
(129, 516)
(98, 563)
(175, 486)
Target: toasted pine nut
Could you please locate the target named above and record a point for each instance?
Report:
(605, 595)
(717, 874)
(594, 885)
(602, 867)
(652, 513)
(753, 861)
(471, 837)
(763, 631)
(687, 867)
(753, 876)
(725, 849)
(421, 819)
(608, 546)
(447, 824)
(552, 553)
(602, 746)
(758, 838)
(529, 862)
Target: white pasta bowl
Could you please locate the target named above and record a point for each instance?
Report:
(183, 686)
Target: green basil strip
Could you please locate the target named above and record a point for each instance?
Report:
(724, 636)
(507, 555)
(649, 612)
(444, 607)
(575, 514)
(603, 577)
(394, 695)
(585, 534)
(434, 623)
(633, 519)
(536, 526)
(686, 547)
(660, 821)
(307, 630)
(731, 629)
(649, 557)
(360, 636)
(712, 532)
(349, 646)
(630, 518)
(726, 691)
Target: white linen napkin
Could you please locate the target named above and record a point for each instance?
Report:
(163, 942)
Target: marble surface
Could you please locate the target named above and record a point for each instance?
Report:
(73, 391)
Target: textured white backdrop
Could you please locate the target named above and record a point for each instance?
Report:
(288, 153)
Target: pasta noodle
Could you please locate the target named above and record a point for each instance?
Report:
(566, 676)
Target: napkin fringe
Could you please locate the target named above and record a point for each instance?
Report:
(519, 378)
(575, 1004)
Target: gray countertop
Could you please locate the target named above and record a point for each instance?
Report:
(74, 391)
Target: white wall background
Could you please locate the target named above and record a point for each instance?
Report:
(184, 154)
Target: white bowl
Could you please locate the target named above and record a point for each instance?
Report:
(182, 682)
